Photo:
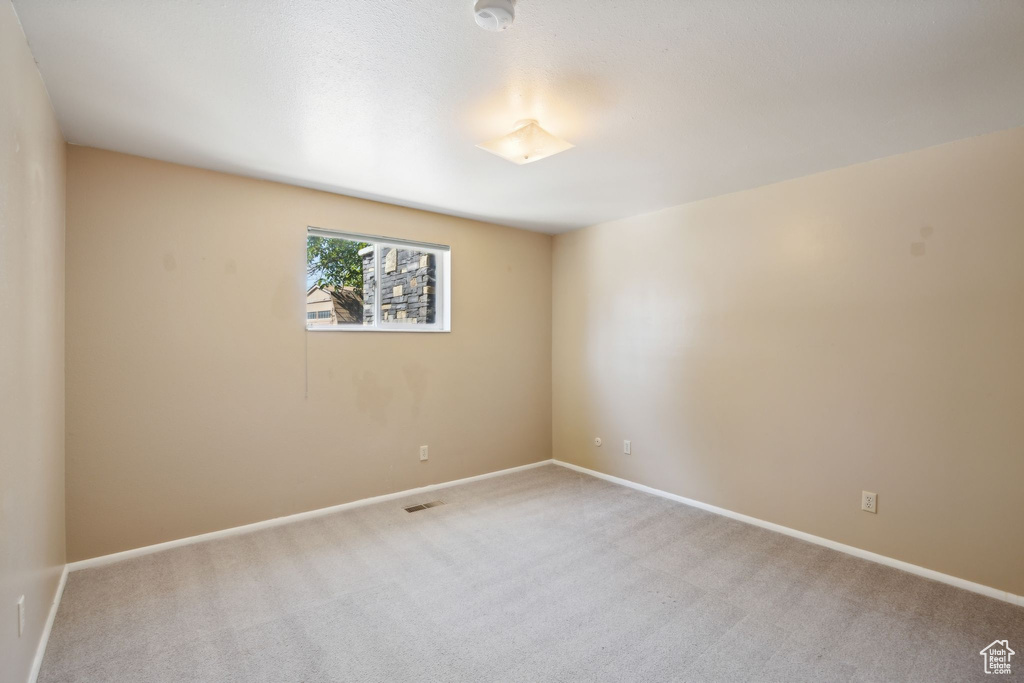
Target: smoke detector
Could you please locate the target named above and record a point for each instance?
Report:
(495, 15)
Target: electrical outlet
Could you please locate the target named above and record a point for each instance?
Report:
(869, 502)
(423, 453)
(626, 447)
(597, 442)
(21, 615)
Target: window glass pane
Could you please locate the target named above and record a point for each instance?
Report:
(366, 282)
(335, 282)
(408, 286)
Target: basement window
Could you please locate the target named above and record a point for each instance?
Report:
(365, 283)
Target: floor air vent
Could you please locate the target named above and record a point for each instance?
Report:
(424, 506)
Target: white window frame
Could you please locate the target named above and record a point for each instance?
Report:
(443, 267)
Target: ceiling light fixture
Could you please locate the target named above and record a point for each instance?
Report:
(527, 142)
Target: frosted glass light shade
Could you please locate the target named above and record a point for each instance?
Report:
(527, 142)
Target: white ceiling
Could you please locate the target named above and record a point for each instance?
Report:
(667, 101)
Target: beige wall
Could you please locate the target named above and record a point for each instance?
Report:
(776, 351)
(185, 418)
(31, 350)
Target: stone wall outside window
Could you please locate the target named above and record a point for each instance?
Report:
(408, 285)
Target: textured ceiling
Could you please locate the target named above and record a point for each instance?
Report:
(667, 101)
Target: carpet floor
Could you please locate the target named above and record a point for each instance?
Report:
(539, 575)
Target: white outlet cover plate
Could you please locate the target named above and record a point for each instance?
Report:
(627, 447)
(423, 453)
(869, 502)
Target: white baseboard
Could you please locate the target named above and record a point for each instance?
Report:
(841, 547)
(37, 661)
(288, 519)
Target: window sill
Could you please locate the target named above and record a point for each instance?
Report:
(361, 328)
